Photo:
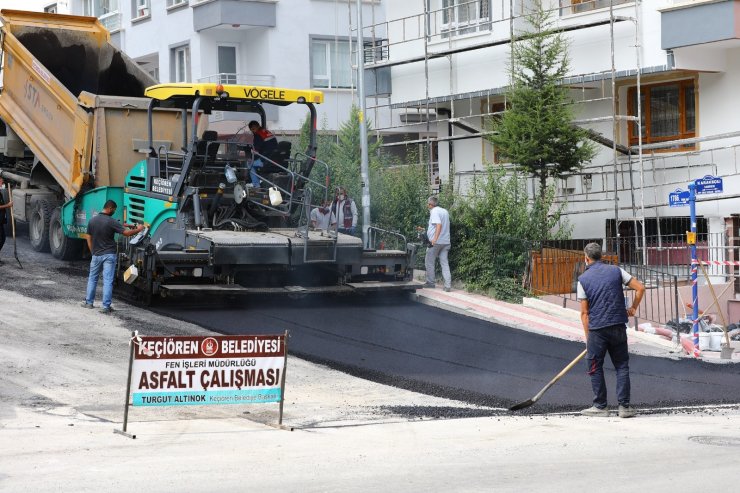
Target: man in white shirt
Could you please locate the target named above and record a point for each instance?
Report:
(323, 217)
(438, 232)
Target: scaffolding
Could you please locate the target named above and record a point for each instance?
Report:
(622, 185)
(434, 34)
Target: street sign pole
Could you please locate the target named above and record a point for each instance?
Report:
(694, 261)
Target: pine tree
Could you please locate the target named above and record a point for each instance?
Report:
(536, 132)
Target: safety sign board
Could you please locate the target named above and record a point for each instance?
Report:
(185, 370)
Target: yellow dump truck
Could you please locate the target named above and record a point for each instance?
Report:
(77, 103)
(100, 128)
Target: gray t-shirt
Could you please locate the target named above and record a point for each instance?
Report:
(102, 228)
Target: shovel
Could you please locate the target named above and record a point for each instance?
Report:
(12, 222)
(534, 399)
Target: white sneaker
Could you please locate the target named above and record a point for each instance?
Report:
(627, 412)
(595, 412)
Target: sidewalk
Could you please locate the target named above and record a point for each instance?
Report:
(545, 318)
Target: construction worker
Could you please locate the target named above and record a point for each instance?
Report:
(604, 317)
(3, 215)
(322, 217)
(345, 210)
(438, 234)
(101, 231)
(264, 143)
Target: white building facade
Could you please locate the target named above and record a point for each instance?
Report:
(450, 60)
(284, 43)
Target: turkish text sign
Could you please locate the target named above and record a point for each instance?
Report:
(708, 185)
(679, 198)
(173, 371)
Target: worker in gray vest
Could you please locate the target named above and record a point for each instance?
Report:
(604, 315)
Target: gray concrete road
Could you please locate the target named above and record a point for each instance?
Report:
(62, 392)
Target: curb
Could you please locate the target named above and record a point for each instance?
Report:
(469, 312)
(643, 344)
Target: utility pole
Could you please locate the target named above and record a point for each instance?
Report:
(364, 167)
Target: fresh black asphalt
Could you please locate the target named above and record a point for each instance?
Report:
(429, 350)
(409, 345)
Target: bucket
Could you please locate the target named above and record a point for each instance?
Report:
(704, 341)
(276, 198)
(715, 341)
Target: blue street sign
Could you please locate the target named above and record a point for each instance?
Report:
(708, 185)
(679, 198)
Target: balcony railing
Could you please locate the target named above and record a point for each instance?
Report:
(244, 79)
(111, 21)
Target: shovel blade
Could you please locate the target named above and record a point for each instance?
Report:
(522, 405)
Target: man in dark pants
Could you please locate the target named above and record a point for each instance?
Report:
(101, 233)
(604, 317)
(3, 215)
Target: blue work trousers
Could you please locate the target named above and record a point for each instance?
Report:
(106, 263)
(612, 340)
(256, 165)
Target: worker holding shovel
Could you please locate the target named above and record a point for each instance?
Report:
(604, 318)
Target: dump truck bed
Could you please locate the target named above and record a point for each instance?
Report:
(54, 66)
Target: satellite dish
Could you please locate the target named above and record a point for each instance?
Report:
(239, 193)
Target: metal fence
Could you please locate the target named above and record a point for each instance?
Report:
(550, 270)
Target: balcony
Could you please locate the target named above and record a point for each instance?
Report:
(242, 79)
(698, 33)
(233, 14)
(698, 22)
(111, 21)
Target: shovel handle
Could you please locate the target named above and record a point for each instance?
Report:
(560, 375)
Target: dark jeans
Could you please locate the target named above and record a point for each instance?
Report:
(2, 235)
(614, 341)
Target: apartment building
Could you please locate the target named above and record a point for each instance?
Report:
(286, 43)
(449, 62)
(51, 6)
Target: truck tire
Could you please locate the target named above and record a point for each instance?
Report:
(38, 226)
(62, 247)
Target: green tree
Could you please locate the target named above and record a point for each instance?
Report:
(345, 157)
(536, 132)
(399, 196)
(497, 207)
(325, 144)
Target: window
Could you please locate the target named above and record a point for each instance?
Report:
(576, 6)
(140, 9)
(331, 64)
(176, 3)
(668, 112)
(51, 9)
(227, 64)
(181, 64)
(103, 7)
(456, 17)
